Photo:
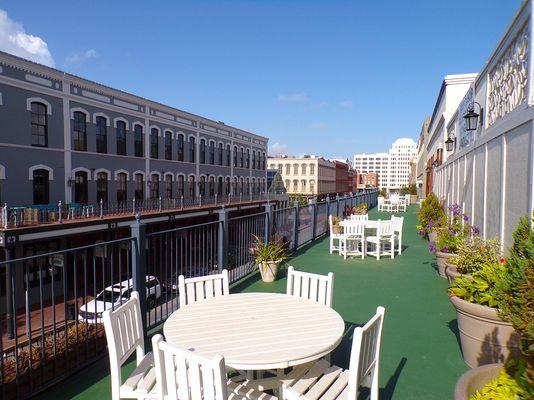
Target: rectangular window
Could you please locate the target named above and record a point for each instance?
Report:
(154, 143)
(101, 135)
(121, 138)
(191, 149)
(39, 125)
(80, 132)
(168, 186)
(212, 153)
(168, 146)
(138, 141)
(180, 147)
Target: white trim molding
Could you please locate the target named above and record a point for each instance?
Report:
(168, 173)
(101, 114)
(138, 172)
(181, 174)
(155, 173)
(2, 172)
(83, 111)
(40, 166)
(168, 130)
(155, 127)
(31, 100)
(116, 119)
(81, 169)
(97, 171)
(138, 123)
(121, 171)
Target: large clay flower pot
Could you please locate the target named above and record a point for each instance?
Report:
(269, 270)
(451, 271)
(485, 337)
(441, 260)
(475, 379)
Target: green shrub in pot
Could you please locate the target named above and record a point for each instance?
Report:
(268, 257)
(431, 215)
(475, 252)
(510, 384)
(481, 286)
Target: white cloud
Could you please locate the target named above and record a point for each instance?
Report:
(14, 40)
(318, 126)
(277, 149)
(346, 104)
(294, 97)
(76, 58)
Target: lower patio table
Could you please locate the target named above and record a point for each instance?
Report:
(256, 331)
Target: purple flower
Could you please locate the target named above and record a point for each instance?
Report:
(445, 249)
(422, 232)
(465, 218)
(430, 225)
(475, 230)
(451, 230)
(432, 247)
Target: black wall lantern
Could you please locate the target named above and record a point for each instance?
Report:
(471, 117)
(427, 170)
(436, 164)
(449, 143)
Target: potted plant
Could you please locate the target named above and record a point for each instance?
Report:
(268, 258)
(472, 254)
(515, 299)
(360, 210)
(410, 190)
(431, 216)
(337, 229)
(485, 338)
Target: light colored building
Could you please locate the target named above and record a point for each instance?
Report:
(308, 175)
(420, 165)
(392, 168)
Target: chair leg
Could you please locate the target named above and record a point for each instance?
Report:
(374, 384)
(392, 247)
(400, 244)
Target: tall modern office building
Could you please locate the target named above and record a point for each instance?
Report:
(65, 138)
(393, 167)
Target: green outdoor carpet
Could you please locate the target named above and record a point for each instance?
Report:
(420, 355)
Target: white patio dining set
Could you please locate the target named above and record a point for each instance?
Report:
(395, 203)
(244, 346)
(361, 236)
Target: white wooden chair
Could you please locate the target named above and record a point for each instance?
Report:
(384, 235)
(353, 241)
(318, 288)
(333, 236)
(359, 217)
(407, 199)
(184, 375)
(402, 204)
(397, 223)
(124, 334)
(381, 202)
(195, 289)
(323, 381)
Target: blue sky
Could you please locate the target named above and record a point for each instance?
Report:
(320, 77)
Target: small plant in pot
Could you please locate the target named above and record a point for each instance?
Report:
(431, 217)
(337, 229)
(360, 210)
(268, 257)
(472, 254)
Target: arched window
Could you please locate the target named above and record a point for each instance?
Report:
(312, 187)
(202, 186)
(212, 153)
(303, 169)
(80, 187)
(247, 186)
(180, 147)
(138, 140)
(279, 168)
(212, 186)
(154, 186)
(220, 186)
(220, 154)
(263, 161)
(39, 125)
(121, 138)
(241, 158)
(102, 187)
(191, 149)
(235, 188)
(180, 186)
(139, 189)
(228, 155)
(288, 169)
(79, 141)
(235, 156)
(241, 185)
(122, 187)
(168, 186)
(312, 169)
(295, 186)
(41, 186)
(191, 187)
(288, 183)
(272, 166)
(168, 145)
(227, 186)
(303, 186)
(253, 159)
(154, 143)
(295, 169)
(202, 150)
(247, 165)
(101, 135)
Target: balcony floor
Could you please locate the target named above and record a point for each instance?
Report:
(420, 355)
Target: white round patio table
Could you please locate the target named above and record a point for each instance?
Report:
(256, 331)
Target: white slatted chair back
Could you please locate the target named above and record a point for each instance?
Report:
(397, 223)
(384, 229)
(364, 356)
(380, 200)
(394, 198)
(354, 228)
(318, 288)
(407, 198)
(359, 217)
(124, 335)
(185, 375)
(200, 288)
(331, 224)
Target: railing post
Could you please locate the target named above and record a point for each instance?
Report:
(337, 205)
(222, 256)
(327, 205)
(215, 198)
(159, 203)
(59, 210)
(296, 226)
(139, 265)
(313, 205)
(101, 208)
(9, 294)
(268, 222)
(133, 205)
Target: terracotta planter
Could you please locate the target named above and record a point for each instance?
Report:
(433, 236)
(269, 270)
(474, 380)
(485, 338)
(441, 260)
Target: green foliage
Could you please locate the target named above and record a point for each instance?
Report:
(481, 286)
(265, 252)
(431, 214)
(475, 252)
(410, 189)
(516, 290)
(383, 193)
(299, 198)
(511, 384)
(361, 209)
